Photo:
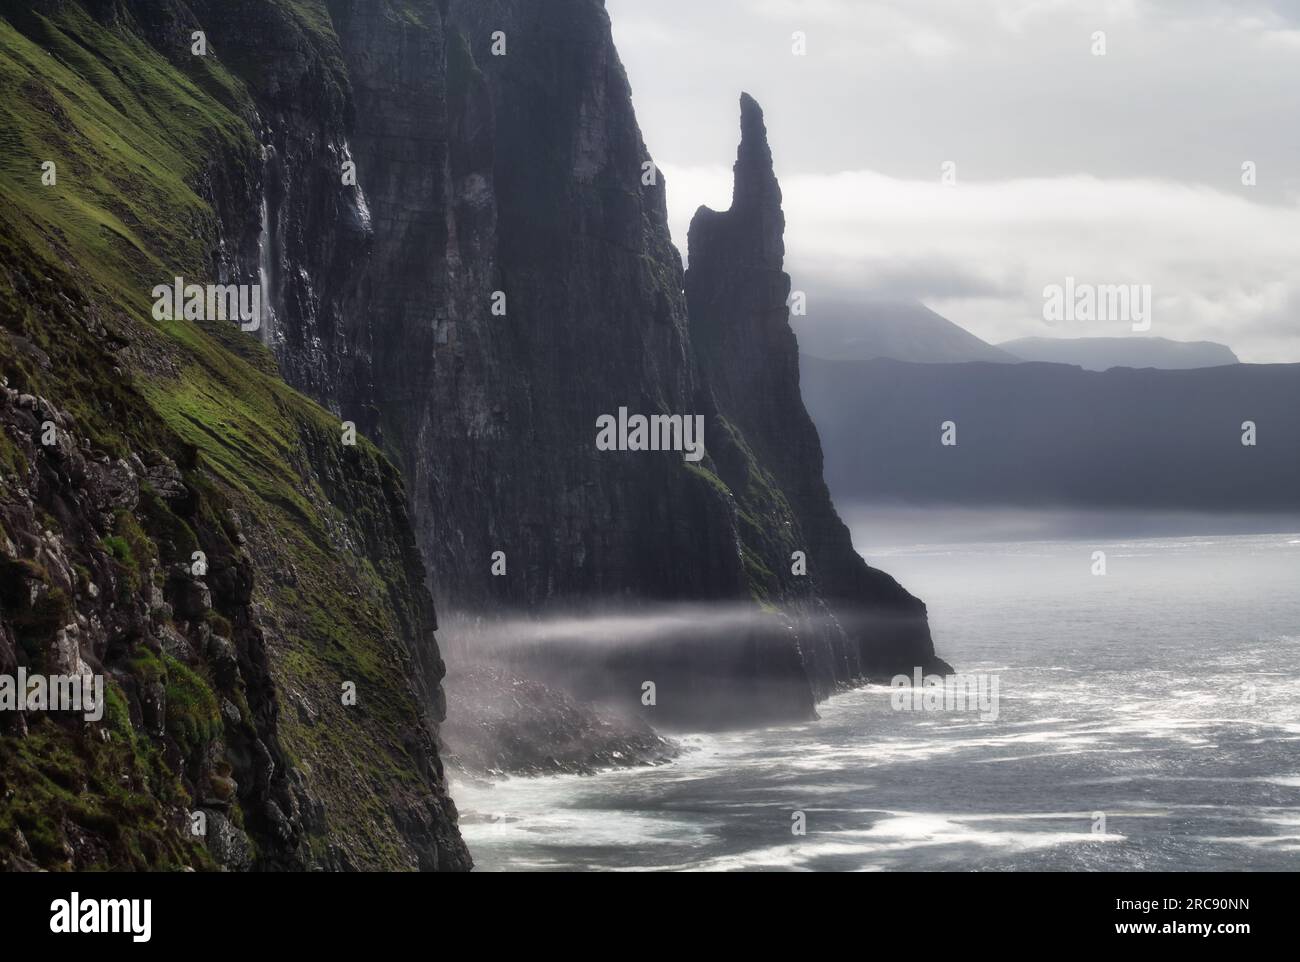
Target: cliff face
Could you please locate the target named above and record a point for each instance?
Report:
(515, 281)
(128, 444)
(595, 321)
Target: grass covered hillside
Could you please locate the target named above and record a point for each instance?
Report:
(225, 681)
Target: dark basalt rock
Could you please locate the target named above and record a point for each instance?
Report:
(507, 725)
(69, 607)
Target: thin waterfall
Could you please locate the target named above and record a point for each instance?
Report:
(267, 331)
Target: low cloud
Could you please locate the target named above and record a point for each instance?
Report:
(1120, 168)
(1221, 267)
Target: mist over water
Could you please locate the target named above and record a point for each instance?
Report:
(718, 664)
(1163, 695)
(607, 629)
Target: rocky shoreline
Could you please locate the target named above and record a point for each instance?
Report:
(500, 724)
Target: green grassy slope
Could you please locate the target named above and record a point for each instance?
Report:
(338, 583)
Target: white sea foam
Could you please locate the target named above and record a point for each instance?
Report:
(1123, 704)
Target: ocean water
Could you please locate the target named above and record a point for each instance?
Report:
(1148, 719)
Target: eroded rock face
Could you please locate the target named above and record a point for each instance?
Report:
(88, 591)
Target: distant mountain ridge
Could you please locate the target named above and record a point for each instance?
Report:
(842, 330)
(1053, 435)
(1103, 353)
(904, 331)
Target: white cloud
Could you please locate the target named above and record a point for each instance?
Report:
(1221, 267)
(1282, 38)
(1127, 165)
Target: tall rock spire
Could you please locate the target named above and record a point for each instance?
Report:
(756, 193)
(736, 295)
(755, 221)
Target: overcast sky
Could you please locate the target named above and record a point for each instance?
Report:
(1117, 169)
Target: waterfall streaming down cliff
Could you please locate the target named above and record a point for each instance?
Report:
(360, 206)
(265, 257)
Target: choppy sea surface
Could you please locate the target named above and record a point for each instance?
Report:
(1148, 719)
